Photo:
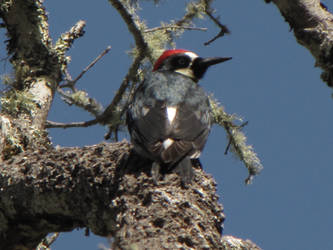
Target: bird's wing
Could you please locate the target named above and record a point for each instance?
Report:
(165, 130)
(189, 131)
(169, 142)
(147, 128)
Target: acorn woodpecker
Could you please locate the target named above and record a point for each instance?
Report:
(169, 117)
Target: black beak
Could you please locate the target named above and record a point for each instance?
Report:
(206, 62)
(200, 65)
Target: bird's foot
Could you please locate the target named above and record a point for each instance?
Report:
(156, 172)
(185, 171)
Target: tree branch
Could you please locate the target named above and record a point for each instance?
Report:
(66, 40)
(51, 124)
(237, 140)
(132, 26)
(109, 111)
(313, 28)
(104, 189)
(38, 68)
(36, 72)
(70, 83)
(223, 28)
(170, 27)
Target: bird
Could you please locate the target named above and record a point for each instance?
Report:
(169, 117)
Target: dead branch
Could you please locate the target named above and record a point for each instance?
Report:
(71, 83)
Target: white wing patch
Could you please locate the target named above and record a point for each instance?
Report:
(167, 143)
(195, 155)
(145, 110)
(171, 113)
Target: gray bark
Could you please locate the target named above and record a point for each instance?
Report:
(101, 188)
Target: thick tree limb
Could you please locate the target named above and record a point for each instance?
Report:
(66, 188)
(37, 68)
(45, 189)
(313, 28)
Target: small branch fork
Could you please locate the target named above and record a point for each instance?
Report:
(71, 84)
(143, 51)
(223, 28)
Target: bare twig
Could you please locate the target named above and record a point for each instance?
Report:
(108, 112)
(223, 28)
(174, 27)
(227, 147)
(220, 34)
(142, 47)
(70, 83)
(132, 26)
(51, 124)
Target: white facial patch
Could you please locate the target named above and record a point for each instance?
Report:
(171, 113)
(188, 71)
(167, 143)
(191, 55)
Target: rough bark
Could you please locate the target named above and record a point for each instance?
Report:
(36, 66)
(37, 70)
(312, 24)
(101, 188)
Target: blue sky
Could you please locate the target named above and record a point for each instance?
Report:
(271, 82)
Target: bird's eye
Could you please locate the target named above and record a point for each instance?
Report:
(182, 61)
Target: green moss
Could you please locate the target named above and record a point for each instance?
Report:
(14, 102)
(237, 139)
(5, 5)
(7, 79)
(12, 146)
